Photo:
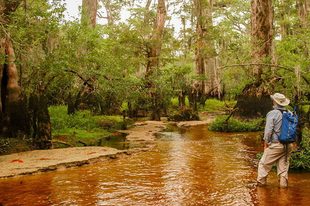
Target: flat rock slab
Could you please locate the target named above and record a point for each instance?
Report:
(193, 123)
(144, 131)
(45, 160)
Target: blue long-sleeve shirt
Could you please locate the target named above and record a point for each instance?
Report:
(273, 125)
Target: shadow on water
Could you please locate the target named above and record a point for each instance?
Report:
(172, 133)
(117, 141)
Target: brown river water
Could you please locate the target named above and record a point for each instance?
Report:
(187, 167)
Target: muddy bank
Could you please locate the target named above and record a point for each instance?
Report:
(37, 161)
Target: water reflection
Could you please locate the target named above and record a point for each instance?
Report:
(189, 167)
(118, 141)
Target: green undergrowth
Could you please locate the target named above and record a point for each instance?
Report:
(79, 137)
(83, 127)
(214, 105)
(234, 125)
(210, 105)
(301, 160)
(11, 145)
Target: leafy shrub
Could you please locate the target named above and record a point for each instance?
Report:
(61, 120)
(233, 125)
(83, 120)
(302, 159)
(185, 114)
(175, 102)
(212, 105)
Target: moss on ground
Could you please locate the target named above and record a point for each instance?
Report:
(10, 145)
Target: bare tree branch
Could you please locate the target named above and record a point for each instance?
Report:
(82, 78)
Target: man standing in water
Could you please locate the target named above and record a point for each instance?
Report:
(274, 151)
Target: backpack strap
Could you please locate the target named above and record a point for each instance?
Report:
(286, 151)
(274, 132)
(285, 144)
(286, 110)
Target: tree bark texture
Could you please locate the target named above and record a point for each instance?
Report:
(15, 118)
(6, 8)
(9, 68)
(303, 12)
(41, 126)
(13, 105)
(261, 33)
(14, 112)
(90, 11)
(284, 13)
(205, 51)
(155, 49)
(255, 102)
(154, 56)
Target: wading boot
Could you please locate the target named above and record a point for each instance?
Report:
(258, 184)
(283, 187)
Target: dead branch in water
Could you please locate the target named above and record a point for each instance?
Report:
(231, 113)
(60, 142)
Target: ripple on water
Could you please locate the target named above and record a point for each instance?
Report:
(191, 167)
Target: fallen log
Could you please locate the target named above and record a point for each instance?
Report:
(60, 142)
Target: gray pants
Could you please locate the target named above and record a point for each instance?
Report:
(275, 153)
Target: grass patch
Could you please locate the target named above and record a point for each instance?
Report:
(78, 137)
(10, 145)
(82, 126)
(211, 105)
(234, 125)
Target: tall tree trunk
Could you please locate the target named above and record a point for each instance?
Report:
(153, 57)
(254, 100)
(109, 10)
(89, 12)
(89, 16)
(284, 13)
(41, 125)
(13, 106)
(205, 52)
(3, 84)
(303, 12)
(304, 117)
(147, 12)
(13, 89)
(155, 49)
(261, 34)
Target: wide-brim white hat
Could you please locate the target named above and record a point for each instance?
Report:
(280, 99)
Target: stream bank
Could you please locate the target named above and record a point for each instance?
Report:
(187, 166)
(31, 162)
